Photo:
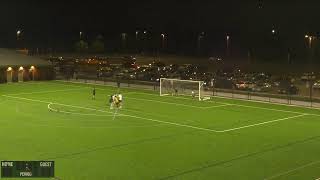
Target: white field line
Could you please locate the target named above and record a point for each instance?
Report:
(41, 92)
(267, 102)
(136, 117)
(250, 100)
(227, 104)
(292, 170)
(163, 102)
(262, 123)
(247, 106)
(74, 113)
(47, 102)
(176, 104)
(93, 127)
(154, 120)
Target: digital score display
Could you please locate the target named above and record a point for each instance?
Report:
(25, 169)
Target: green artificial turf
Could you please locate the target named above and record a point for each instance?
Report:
(155, 137)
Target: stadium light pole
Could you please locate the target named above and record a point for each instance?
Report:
(18, 34)
(310, 40)
(145, 40)
(137, 33)
(227, 42)
(18, 37)
(124, 40)
(200, 37)
(137, 43)
(163, 36)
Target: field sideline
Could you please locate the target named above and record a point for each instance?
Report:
(155, 137)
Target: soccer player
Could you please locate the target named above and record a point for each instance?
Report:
(193, 94)
(116, 101)
(111, 101)
(120, 100)
(94, 93)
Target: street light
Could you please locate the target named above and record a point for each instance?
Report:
(310, 39)
(137, 32)
(227, 41)
(80, 35)
(18, 34)
(124, 40)
(163, 39)
(228, 38)
(200, 37)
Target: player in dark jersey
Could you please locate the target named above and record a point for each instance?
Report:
(94, 93)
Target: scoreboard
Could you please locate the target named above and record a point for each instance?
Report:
(15, 169)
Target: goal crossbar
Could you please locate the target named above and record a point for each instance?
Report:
(182, 87)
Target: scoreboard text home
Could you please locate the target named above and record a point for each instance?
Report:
(11, 169)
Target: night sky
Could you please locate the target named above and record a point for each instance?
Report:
(249, 23)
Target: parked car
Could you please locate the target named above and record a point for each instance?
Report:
(245, 85)
(262, 87)
(291, 90)
(316, 85)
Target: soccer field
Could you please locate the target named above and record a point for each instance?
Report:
(155, 137)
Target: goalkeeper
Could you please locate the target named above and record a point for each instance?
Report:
(193, 94)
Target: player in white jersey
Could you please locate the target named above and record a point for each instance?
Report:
(120, 100)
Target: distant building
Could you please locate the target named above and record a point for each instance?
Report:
(18, 67)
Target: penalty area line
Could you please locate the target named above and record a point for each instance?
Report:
(132, 116)
(164, 122)
(172, 123)
(178, 104)
(262, 123)
(74, 113)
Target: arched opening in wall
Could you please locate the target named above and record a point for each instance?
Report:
(9, 74)
(21, 74)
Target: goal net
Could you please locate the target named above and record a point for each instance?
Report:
(177, 87)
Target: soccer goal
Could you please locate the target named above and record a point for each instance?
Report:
(178, 87)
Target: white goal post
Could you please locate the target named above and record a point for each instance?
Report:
(176, 87)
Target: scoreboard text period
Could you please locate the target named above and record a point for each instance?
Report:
(14, 169)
